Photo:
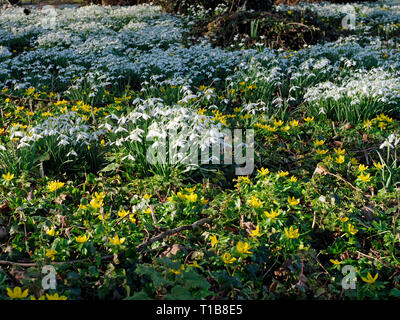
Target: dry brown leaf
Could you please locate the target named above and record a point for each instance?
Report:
(368, 212)
(173, 250)
(61, 198)
(4, 208)
(273, 286)
(320, 170)
(249, 226)
(3, 232)
(338, 143)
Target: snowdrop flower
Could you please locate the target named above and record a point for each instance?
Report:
(72, 153)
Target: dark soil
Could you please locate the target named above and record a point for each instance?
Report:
(274, 29)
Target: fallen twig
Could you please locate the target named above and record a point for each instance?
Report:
(171, 232)
(153, 215)
(33, 264)
(139, 248)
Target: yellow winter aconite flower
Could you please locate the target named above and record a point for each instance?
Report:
(369, 279)
(273, 214)
(82, 206)
(8, 176)
(362, 168)
(254, 202)
(319, 142)
(214, 240)
(50, 253)
(364, 177)
(34, 298)
(147, 196)
(95, 203)
(383, 117)
(344, 219)
(99, 196)
(123, 213)
(351, 229)
(263, 171)
(29, 91)
(293, 201)
(283, 173)
(367, 124)
(278, 123)
(204, 201)
(179, 271)
(293, 179)
(17, 293)
(255, 232)
(82, 239)
(243, 247)
(335, 262)
(354, 161)
(339, 159)
(51, 232)
(292, 233)
(194, 264)
(180, 195)
(294, 123)
(201, 111)
(103, 216)
(55, 185)
(308, 119)
(340, 151)
(190, 190)
(302, 247)
(321, 151)
(192, 197)
(116, 240)
(55, 297)
(132, 218)
(227, 258)
(379, 165)
(243, 179)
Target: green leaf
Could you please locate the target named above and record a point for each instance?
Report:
(91, 178)
(141, 295)
(395, 293)
(194, 280)
(44, 157)
(179, 293)
(111, 167)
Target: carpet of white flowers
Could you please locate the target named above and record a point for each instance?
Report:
(83, 100)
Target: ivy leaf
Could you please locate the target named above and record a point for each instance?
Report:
(179, 293)
(394, 293)
(194, 280)
(141, 295)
